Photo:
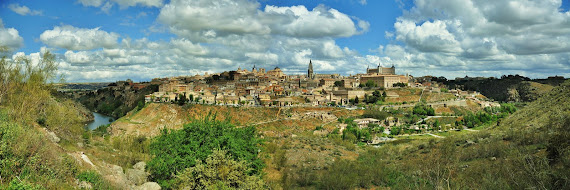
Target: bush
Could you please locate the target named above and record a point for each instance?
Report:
(218, 171)
(379, 115)
(176, 150)
(16, 184)
(423, 109)
(94, 178)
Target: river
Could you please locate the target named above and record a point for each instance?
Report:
(99, 119)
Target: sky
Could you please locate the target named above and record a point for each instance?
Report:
(110, 40)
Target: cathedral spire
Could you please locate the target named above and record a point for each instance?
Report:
(310, 71)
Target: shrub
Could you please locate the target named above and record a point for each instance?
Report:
(218, 171)
(16, 184)
(94, 178)
(176, 150)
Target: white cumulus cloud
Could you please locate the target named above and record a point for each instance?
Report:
(72, 38)
(320, 22)
(10, 37)
(483, 38)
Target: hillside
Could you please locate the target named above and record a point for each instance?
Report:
(515, 89)
(115, 101)
(156, 116)
(528, 150)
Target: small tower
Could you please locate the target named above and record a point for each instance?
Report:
(379, 71)
(310, 74)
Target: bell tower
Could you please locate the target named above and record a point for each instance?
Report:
(310, 71)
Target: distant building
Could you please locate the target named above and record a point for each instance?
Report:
(386, 81)
(383, 77)
(277, 73)
(363, 123)
(326, 82)
(381, 70)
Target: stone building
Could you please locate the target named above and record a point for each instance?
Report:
(383, 77)
(277, 73)
(381, 70)
(326, 82)
(386, 81)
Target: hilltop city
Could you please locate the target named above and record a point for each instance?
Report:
(258, 87)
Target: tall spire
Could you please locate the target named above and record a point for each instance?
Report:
(310, 71)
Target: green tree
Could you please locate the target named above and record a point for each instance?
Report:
(218, 171)
(370, 84)
(181, 99)
(423, 109)
(176, 150)
(400, 84)
(140, 105)
(436, 125)
(338, 83)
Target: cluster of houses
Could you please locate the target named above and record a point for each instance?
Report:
(258, 87)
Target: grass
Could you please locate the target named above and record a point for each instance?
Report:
(452, 133)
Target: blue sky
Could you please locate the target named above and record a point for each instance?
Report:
(108, 40)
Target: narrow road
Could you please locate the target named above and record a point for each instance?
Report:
(429, 117)
(436, 136)
(420, 100)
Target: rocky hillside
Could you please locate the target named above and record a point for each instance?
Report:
(156, 116)
(115, 101)
(528, 150)
(511, 89)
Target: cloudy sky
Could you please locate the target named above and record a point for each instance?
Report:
(108, 40)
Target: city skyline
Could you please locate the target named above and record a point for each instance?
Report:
(110, 40)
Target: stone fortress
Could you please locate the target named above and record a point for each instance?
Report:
(384, 76)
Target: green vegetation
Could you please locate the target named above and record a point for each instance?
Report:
(133, 149)
(338, 83)
(370, 84)
(376, 114)
(529, 149)
(219, 171)
(29, 157)
(116, 101)
(176, 150)
(423, 109)
(488, 115)
(400, 84)
(94, 178)
(376, 97)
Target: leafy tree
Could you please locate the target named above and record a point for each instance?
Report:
(356, 100)
(176, 150)
(436, 125)
(399, 84)
(218, 171)
(140, 105)
(338, 83)
(423, 109)
(370, 84)
(181, 99)
(380, 115)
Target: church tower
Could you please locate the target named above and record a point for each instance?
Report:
(310, 71)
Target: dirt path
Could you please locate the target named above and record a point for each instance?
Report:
(436, 136)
